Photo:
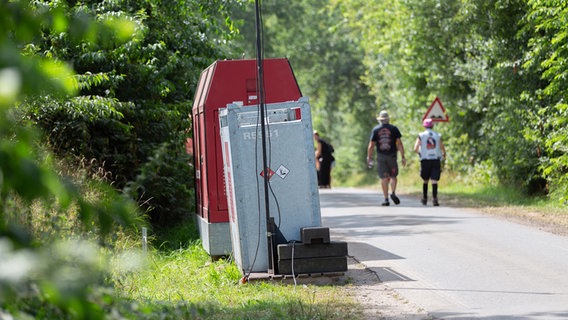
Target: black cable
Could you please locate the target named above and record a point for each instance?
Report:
(268, 125)
(277, 206)
(260, 118)
(266, 175)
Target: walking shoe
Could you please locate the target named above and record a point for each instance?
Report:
(435, 202)
(385, 204)
(394, 198)
(424, 200)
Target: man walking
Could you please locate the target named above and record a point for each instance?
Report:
(386, 139)
(431, 150)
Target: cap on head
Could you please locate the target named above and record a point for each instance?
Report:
(383, 116)
(428, 123)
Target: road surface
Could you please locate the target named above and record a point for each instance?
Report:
(455, 263)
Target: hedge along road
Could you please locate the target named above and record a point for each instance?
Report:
(455, 263)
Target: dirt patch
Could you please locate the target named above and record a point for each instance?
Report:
(377, 299)
(556, 223)
(554, 220)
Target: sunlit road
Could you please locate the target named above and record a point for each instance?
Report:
(455, 263)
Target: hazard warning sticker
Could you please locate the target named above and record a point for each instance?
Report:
(269, 171)
(282, 171)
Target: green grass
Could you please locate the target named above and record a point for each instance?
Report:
(187, 281)
(178, 279)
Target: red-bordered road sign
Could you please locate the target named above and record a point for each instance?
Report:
(437, 112)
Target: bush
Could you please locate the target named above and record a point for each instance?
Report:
(164, 186)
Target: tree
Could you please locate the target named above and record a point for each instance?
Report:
(33, 266)
(134, 97)
(468, 54)
(546, 57)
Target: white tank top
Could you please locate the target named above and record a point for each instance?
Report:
(430, 145)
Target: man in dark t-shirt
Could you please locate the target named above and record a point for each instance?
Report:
(386, 139)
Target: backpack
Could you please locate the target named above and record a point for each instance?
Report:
(327, 150)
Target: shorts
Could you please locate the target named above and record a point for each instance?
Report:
(430, 169)
(387, 166)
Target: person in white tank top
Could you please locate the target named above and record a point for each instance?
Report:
(430, 148)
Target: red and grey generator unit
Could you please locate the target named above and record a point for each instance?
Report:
(222, 83)
(277, 231)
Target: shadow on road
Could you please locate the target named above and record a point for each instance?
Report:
(360, 213)
(363, 226)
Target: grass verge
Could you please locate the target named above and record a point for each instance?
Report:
(185, 281)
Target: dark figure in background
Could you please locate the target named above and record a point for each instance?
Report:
(324, 161)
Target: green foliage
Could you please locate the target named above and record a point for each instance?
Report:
(546, 57)
(164, 186)
(42, 276)
(495, 65)
(135, 91)
(88, 126)
(174, 237)
(137, 64)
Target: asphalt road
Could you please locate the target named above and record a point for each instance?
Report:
(455, 263)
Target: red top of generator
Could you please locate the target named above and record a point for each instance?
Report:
(222, 83)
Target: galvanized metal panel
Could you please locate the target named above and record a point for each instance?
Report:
(293, 196)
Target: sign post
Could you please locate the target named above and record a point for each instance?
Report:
(436, 112)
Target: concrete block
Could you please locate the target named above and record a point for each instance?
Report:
(302, 250)
(313, 265)
(311, 235)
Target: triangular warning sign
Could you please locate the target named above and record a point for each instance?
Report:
(436, 112)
